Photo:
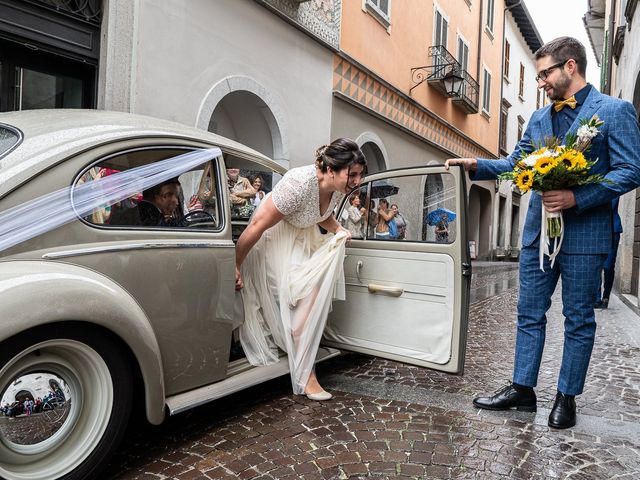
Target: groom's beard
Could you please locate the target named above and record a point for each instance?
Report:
(559, 88)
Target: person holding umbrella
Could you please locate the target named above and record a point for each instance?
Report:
(442, 230)
(441, 217)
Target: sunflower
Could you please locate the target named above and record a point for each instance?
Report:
(524, 180)
(544, 164)
(573, 159)
(581, 162)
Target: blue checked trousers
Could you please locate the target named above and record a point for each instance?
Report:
(580, 282)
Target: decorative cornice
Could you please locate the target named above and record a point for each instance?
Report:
(359, 86)
(317, 18)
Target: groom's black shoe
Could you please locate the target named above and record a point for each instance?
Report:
(512, 396)
(563, 413)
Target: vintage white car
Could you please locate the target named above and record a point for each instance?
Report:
(100, 312)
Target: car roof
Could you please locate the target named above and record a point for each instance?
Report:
(50, 136)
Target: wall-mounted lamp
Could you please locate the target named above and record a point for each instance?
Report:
(452, 82)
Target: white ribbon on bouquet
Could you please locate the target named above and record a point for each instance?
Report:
(545, 241)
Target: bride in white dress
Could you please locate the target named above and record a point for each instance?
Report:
(288, 271)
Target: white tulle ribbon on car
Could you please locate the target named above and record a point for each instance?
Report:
(545, 240)
(35, 217)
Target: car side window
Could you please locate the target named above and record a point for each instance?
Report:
(416, 208)
(9, 139)
(188, 200)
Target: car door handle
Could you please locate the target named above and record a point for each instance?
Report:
(391, 291)
(359, 266)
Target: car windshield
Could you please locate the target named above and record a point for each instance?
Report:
(9, 137)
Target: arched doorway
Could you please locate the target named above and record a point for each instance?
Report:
(23, 395)
(240, 108)
(374, 151)
(433, 198)
(375, 159)
(244, 117)
(480, 220)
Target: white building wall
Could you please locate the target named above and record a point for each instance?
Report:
(525, 106)
(180, 51)
(522, 106)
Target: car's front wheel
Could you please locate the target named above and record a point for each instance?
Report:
(75, 391)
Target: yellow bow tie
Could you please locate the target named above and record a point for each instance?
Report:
(569, 102)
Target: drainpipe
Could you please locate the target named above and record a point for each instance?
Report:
(612, 26)
(480, 32)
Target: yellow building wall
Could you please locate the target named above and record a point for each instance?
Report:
(391, 54)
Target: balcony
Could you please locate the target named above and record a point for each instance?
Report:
(446, 75)
(443, 65)
(468, 96)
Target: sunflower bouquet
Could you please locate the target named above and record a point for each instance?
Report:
(553, 166)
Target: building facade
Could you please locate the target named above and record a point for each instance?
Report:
(614, 31)
(414, 82)
(258, 72)
(390, 87)
(520, 97)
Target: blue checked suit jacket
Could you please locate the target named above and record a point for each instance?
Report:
(588, 225)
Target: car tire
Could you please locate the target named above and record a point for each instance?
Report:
(99, 385)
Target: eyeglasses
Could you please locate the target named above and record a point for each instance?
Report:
(543, 74)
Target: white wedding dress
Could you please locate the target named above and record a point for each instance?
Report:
(290, 277)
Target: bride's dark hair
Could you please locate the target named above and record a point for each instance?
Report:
(340, 154)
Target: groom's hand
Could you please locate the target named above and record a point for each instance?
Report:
(558, 200)
(467, 163)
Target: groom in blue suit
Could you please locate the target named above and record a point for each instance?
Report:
(587, 214)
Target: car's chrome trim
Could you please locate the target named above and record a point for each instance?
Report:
(137, 246)
(253, 376)
(18, 133)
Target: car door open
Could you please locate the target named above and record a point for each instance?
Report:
(407, 269)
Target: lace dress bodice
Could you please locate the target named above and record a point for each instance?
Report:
(297, 197)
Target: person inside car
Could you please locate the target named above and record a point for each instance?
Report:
(159, 207)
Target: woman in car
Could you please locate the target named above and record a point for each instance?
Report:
(288, 270)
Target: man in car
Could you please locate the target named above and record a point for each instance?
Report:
(159, 207)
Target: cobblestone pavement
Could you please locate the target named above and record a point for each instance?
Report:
(34, 428)
(389, 420)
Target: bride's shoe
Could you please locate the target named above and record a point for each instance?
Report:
(319, 396)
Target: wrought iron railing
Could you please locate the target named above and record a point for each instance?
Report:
(88, 10)
(469, 93)
(442, 61)
(443, 65)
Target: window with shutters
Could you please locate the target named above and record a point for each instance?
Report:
(520, 127)
(486, 93)
(440, 29)
(463, 53)
(507, 54)
(490, 15)
(380, 9)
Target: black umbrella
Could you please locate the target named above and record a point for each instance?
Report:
(382, 189)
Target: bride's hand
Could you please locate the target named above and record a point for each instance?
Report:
(239, 282)
(342, 229)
